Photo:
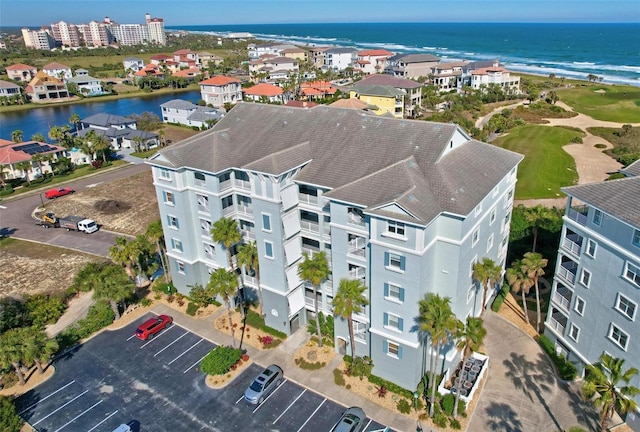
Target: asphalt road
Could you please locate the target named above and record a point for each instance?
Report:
(16, 221)
(115, 378)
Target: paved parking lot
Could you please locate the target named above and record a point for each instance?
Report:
(116, 378)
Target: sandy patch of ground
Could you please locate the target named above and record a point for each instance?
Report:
(219, 381)
(126, 205)
(311, 353)
(251, 334)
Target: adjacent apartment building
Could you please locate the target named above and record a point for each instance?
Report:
(406, 207)
(596, 287)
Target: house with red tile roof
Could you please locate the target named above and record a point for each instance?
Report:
(149, 70)
(495, 74)
(21, 72)
(301, 104)
(316, 90)
(186, 58)
(12, 154)
(191, 73)
(159, 58)
(45, 88)
(371, 61)
(265, 92)
(57, 70)
(220, 89)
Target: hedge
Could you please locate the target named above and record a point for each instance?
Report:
(99, 316)
(192, 308)
(256, 321)
(497, 303)
(220, 360)
(390, 386)
(566, 369)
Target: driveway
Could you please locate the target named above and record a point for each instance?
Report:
(522, 392)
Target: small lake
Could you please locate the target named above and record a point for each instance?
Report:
(40, 120)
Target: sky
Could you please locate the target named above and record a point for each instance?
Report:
(36, 13)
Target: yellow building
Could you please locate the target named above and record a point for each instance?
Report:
(382, 99)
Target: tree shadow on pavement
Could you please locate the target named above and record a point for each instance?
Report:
(582, 409)
(501, 417)
(533, 378)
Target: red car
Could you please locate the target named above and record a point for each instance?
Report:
(58, 192)
(149, 328)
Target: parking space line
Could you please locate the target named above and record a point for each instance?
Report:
(104, 420)
(290, 405)
(186, 333)
(55, 411)
(156, 338)
(312, 414)
(189, 349)
(46, 397)
(272, 393)
(189, 368)
(241, 397)
(78, 416)
(367, 426)
(131, 337)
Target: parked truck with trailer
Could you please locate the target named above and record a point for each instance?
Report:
(71, 223)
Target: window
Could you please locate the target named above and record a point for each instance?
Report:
(268, 249)
(618, 336)
(585, 278)
(597, 217)
(176, 245)
(205, 227)
(393, 349)
(172, 221)
(203, 202)
(496, 190)
(478, 209)
(209, 250)
(574, 332)
(165, 174)
(470, 293)
(393, 293)
(168, 198)
(266, 222)
(475, 237)
(396, 228)
(359, 331)
(632, 273)
(199, 177)
(394, 262)
(393, 322)
(181, 267)
(626, 306)
(490, 243)
(591, 248)
(492, 217)
(579, 306)
(636, 238)
(472, 265)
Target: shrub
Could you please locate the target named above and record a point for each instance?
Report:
(10, 421)
(616, 176)
(7, 190)
(565, 368)
(600, 146)
(403, 406)
(447, 403)
(145, 302)
(576, 140)
(338, 378)
(440, 419)
(255, 320)
(99, 316)
(361, 367)
(381, 391)
(309, 365)
(220, 360)
(390, 386)
(44, 309)
(576, 429)
(497, 303)
(326, 328)
(455, 424)
(192, 308)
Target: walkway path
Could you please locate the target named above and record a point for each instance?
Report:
(522, 392)
(77, 309)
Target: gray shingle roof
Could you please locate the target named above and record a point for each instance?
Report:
(633, 169)
(378, 90)
(414, 58)
(618, 198)
(390, 80)
(340, 50)
(178, 104)
(360, 158)
(8, 85)
(104, 120)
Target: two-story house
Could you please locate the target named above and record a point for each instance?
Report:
(45, 88)
(9, 89)
(411, 66)
(21, 72)
(406, 207)
(57, 70)
(383, 100)
(371, 61)
(12, 155)
(596, 285)
(266, 93)
(121, 131)
(132, 64)
(339, 59)
(219, 90)
(412, 90)
(189, 114)
(86, 84)
(496, 75)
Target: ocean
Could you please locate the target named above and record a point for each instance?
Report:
(609, 51)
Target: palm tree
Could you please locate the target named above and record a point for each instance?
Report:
(55, 133)
(38, 158)
(101, 144)
(520, 282)
(38, 137)
(436, 319)
(116, 287)
(161, 133)
(248, 259)
(533, 265)
(469, 339)
(347, 301)
(119, 254)
(12, 351)
(17, 135)
(539, 216)
(487, 273)
(314, 270)
(603, 380)
(224, 283)
(75, 121)
(225, 231)
(40, 348)
(155, 234)
(25, 167)
(137, 142)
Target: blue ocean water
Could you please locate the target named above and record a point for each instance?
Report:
(610, 51)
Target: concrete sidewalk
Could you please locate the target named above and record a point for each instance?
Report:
(320, 381)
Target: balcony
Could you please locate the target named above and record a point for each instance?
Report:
(310, 226)
(572, 243)
(243, 184)
(203, 208)
(357, 247)
(355, 219)
(250, 280)
(309, 302)
(308, 199)
(326, 229)
(357, 273)
(567, 270)
(248, 234)
(578, 214)
(562, 297)
(244, 209)
(228, 211)
(557, 321)
(227, 184)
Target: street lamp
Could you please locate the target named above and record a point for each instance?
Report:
(415, 401)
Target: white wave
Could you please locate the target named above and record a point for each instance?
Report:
(469, 53)
(430, 48)
(575, 74)
(584, 63)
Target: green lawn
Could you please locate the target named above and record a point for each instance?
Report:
(546, 166)
(617, 103)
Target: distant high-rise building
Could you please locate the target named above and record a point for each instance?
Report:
(156, 30)
(65, 34)
(38, 39)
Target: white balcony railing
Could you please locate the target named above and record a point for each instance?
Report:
(227, 211)
(561, 300)
(567, 274)
(326, 230)
(203, 208)
(251, 280)
(556, 325)
(245, 209)
(357, 273)
(571, 246)
(225, 185)
(578, 214)
(307, 198)
(248, 234)
(355, 219)
(243, 184)
(310, 226)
